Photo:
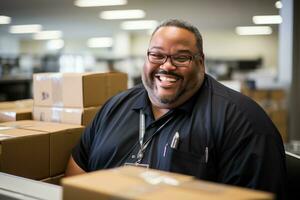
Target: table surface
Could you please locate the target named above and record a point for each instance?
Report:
(15, 188)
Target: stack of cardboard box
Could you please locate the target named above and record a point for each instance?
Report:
(273, 101)
(35, 149)
(16, 110)
(40, 150)
(73, 97)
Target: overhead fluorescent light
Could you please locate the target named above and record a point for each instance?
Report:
(253, 30)
(30, 28)
(278, 4)
(139, 24)
(55, 44)
(122, 14)
(4, 19)
(95, 3)
(267, 19)
(47, 35)
(100, 42)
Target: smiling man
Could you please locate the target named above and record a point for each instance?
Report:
(182, 120)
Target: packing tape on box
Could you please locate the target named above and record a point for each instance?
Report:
(155, 178)
(153, 182)
(56, 80)
(9, 114)
(141, 189)
(54, 114)
(57, 113)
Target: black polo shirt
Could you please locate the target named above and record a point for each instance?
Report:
(224, 136)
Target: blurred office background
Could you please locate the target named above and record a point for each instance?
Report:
(81, 36)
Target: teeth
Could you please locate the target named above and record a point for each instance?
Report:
(163, 78)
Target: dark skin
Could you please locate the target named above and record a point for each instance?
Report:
(167, 91)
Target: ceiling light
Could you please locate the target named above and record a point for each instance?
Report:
(4, 19)
(267, 19)
(30, 28)
(47, 35)
(278, 4)
(95, 3)
(253, 30)
(55, 44)
(122, 14)
(100, 42)
(139, 24)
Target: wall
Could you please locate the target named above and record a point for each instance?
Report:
(226, 45)
(229, 45)
(9, 45)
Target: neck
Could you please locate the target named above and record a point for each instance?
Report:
(158, 112)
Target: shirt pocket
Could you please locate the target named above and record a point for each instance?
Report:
(182, 162)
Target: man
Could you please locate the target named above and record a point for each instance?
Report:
(182, 120)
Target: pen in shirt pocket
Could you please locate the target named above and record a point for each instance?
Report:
(175, 141)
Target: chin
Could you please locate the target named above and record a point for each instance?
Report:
(167, 100)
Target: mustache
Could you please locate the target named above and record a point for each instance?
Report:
(161, 71)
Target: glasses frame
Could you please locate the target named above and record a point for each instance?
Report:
(192, 58)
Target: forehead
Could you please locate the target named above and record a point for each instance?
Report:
(173, 37)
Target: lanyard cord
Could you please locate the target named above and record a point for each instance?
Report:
(144, 145)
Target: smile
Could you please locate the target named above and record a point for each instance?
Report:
(166, 78)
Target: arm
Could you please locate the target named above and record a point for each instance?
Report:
(73, 168)
(252, 153)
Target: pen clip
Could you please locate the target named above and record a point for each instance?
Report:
(206, 154)
(175, 140)
(165, 150)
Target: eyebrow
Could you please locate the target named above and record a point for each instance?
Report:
(179, 51)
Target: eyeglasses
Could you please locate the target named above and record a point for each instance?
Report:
(178, 60)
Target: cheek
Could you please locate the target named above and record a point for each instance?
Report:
(148, 70)
(194, 75)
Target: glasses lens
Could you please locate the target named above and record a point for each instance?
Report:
(156, 58)
(181, 60)
(177, 60)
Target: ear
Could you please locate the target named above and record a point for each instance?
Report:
(201, 59)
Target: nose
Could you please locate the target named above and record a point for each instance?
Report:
(168, 65)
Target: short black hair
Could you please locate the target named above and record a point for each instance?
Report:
(185, 25)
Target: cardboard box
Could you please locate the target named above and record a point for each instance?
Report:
(141, 183)
(15, 114)
(116, 83)
(279, 116)
(24, 103)
(62, 139)
(68, 89)
(80, 116)
(278, 94)
(55, 180)
(16, 110)
(280, 119)
(76, 90)
(24, 152)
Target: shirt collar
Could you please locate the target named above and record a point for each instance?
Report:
(142, 101)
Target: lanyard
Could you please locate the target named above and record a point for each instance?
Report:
(144, 145)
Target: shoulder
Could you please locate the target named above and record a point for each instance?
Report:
(224, 95)
(237, 107)
(120, 102)
(128, 96)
